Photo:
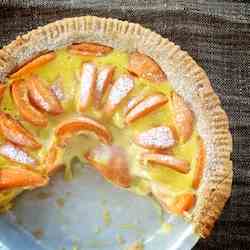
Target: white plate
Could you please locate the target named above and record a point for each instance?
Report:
(76, 213)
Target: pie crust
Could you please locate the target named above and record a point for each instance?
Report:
(187, 78)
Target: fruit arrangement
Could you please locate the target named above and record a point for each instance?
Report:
(132, 127)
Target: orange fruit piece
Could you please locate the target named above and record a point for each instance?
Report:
(169, 161)
(179, 205)
(13, 131)
(104, 80)
(83, 125)
(184, 203)
(167, 151)
(156, 138)
(16, 154)
(133, 102)
(2, 89)
(27, 111)
(20, 178)
(111, 162)
(30, 66)
(90, 49)
(200, 164)
(42, 97)
(145, 67)
(88, 83)
(118, 93)
(183, 117)
(148, 105)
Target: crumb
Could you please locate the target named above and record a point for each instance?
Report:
(60, 202)
(38, 233)
(158, 210)
(43, 195)
(135, 246)
(106, 217)
(120, 239)
(166, 227)
(19, 221)
(104, 202)
(127, 226)
(98, 230)
(75, 247)
(68, 173)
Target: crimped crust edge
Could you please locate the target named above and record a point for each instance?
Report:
(187, 78)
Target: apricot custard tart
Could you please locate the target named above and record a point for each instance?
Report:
(121, 98)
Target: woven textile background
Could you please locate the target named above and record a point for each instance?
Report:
(216, 34)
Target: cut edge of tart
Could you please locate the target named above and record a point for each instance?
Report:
(188, 80)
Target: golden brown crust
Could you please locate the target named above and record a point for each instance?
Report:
(188, 79)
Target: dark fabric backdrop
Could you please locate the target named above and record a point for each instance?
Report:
(216, 34)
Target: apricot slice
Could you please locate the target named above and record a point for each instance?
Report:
(42, 97)
(184, 202)
(156, 138)
(133, 102)
(104, 79)
(168, 161)
(112, 163)
(16, 154)
(200, 164)
(183, 117)
(13, 131)
(29, 67)
(88, 83)
(150, 104)
(83, 125)
(20, 178)
(90, 49)
(119, 91)
(145, 67)
(27, 111)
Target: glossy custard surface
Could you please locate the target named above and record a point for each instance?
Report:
(65, 69)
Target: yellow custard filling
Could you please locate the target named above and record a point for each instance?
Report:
(66, 69)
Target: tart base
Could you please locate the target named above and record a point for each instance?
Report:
(188, 79)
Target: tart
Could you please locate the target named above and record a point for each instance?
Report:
(128, 102)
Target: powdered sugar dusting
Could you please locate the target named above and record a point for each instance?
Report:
(101, 78)
(42, 102)
(133, 102)
(121, 88)
(18, 135)
(178, 165)
(88, 78)
(16, 154)
(57, 90)
(158, 138)
(102, 82)
(150, 104)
